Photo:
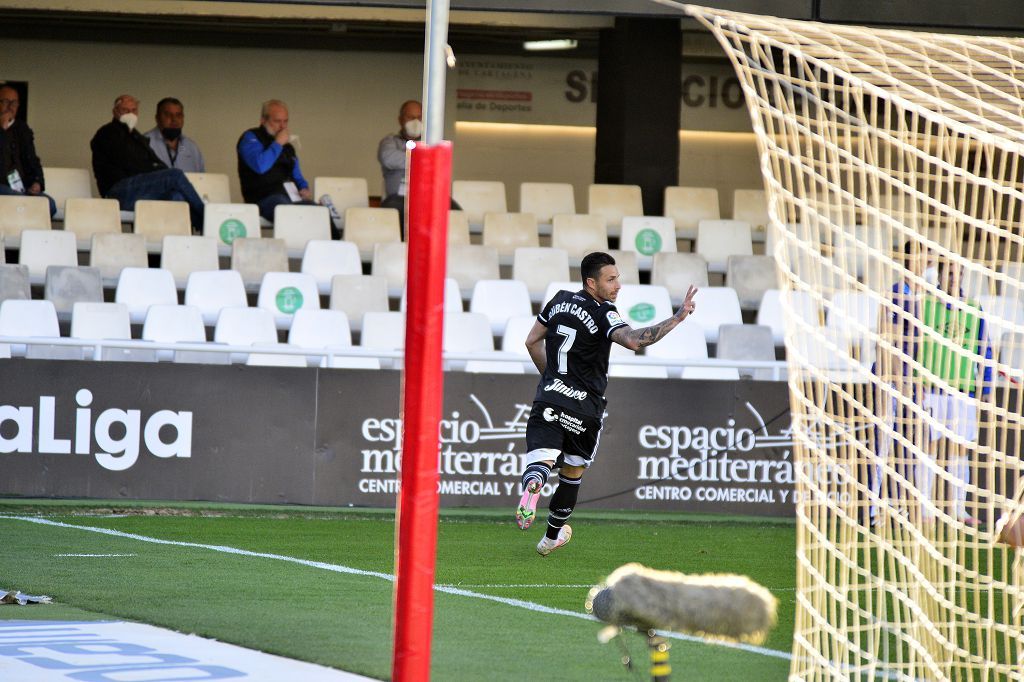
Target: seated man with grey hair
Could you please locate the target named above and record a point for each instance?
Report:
(128, 170)
(268, 167)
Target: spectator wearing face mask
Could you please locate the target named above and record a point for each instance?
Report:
(391, 154)
(268, 167)
(169, 144)
(21, 172)
(127, 169)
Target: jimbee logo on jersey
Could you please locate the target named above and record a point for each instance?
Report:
(614, 318)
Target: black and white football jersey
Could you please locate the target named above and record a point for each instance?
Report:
(577, 344)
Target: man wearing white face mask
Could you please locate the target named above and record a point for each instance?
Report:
(127, 169)
(391, 154)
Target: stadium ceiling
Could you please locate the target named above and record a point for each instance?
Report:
(477, 26)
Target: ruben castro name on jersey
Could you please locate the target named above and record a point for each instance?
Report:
(577, 344)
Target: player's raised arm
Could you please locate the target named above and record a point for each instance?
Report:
(645, 336)
(535, 346)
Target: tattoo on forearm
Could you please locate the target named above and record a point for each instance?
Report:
(648, 335)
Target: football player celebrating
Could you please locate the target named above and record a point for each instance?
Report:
(570, 343)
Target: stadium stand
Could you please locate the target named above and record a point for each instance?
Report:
(718, 306)
(751, 206)
(67, 285)
(212, 187)
(253, 258)
(770, 311)
(356, 295)
(185, 255)
(296, 224)
(614, 202)
(139, 288)
(458, 228)
(390, 261)
(468, 264)
(747, 342)
(244, 327)
(712, 373)
(274, 359)
(536, 266)
(157, 219)
(546, 200)
(366, 227)
(227, 222)
(111, 253)
(477, 197)
(579, 234)
(67, 183)
(498, 300)
(22, 317)
(513, 339)
(466, 333)
(507, 232)
(325, 259)
(42, 248)
(320, 328)
(102, 321)
(677, 271)
(284, 293)
(719, 239)
(345, 193)
(687, 206)
(618, 369)
(685, 342)
(647, 236)
(85, 217)
(383, 330)
(177, 324)
(19, 213)
(98, 320)
(210, 291)
(751, 276)
(643, 304)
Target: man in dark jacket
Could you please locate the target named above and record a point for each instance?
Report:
(268, 168)
(21, 172)
(126, 168)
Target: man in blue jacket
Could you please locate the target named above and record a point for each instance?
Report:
(268, 167)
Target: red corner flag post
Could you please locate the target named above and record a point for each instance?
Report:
(430, 170)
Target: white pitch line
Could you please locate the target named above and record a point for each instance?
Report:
(338, 568)
(95, 555)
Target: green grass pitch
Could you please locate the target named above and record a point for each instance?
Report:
(343, 619)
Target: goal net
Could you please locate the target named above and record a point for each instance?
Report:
(893, 166)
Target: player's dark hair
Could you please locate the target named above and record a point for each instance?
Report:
(169, 100)
(590, 266)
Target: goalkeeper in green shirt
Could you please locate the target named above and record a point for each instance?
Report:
(955, 368)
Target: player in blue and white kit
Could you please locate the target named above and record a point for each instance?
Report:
(570, 343)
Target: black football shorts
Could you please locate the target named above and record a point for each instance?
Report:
(554, 433)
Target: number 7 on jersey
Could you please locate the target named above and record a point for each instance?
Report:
(563, 351)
